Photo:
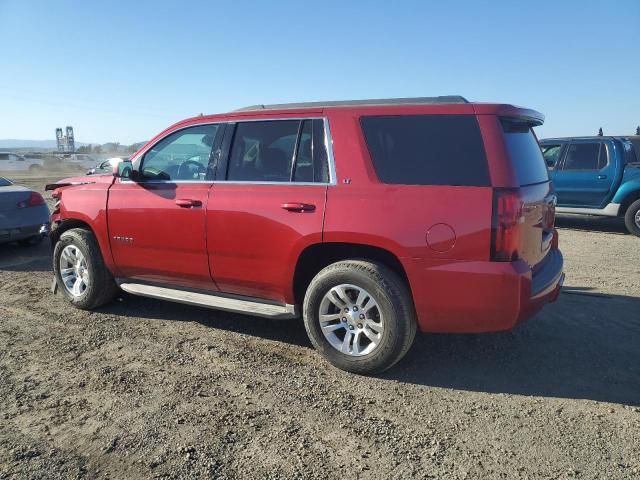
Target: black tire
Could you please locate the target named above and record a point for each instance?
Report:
(31, 241)
(101, 287)
(395, 303)
(630, 218)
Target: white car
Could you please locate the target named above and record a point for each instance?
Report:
(14, 162)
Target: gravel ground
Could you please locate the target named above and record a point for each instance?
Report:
(149, 389)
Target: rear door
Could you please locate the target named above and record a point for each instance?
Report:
(267, 204)
(157, 222)
(586, 175)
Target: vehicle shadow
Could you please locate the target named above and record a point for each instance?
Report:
(591, 223)
(34, 258)
(584, 346)
(286, 331)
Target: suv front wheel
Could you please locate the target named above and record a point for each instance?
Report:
(80, 271)
(359, 315)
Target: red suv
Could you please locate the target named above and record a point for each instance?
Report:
(369, 219)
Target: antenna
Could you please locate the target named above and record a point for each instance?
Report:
(600, 132)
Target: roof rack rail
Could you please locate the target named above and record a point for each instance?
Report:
(444, 99)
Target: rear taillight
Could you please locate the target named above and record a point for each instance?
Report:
(506, 225)
(34, 200)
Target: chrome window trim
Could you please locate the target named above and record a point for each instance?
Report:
(328, 141)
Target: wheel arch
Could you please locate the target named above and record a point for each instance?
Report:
(317, 256)
(628, 199)
(63, 225)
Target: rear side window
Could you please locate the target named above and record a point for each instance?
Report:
(630, 155)
(279, 151)
(427, 149)
(524, 151)
(583, 156)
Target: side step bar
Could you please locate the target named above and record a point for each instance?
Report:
(218, 302)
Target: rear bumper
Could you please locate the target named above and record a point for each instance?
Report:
(20, 233)
(474, 297)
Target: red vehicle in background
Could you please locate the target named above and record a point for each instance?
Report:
(370, 219)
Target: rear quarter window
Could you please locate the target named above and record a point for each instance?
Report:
(524, 152)
(427, 149)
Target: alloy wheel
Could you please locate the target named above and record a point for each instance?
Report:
(73, 270)
(351, 320)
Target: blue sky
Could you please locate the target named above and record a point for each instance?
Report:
(124, 70)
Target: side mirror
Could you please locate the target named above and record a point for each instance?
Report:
(123, 169)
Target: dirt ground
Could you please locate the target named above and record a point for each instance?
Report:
(148, 389)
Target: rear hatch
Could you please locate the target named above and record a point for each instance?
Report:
(534, 201)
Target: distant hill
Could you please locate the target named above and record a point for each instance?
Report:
(9, 143)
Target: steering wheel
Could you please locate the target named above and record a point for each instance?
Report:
(185, 172)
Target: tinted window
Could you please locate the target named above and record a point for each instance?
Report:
(524, 152)
(264, 152)
(320, 155)
(603, 158)
(427, 149)
(630, 155)
(183, 155)
(551, 154)
(4, 182)
(303, 169)
(582, 156)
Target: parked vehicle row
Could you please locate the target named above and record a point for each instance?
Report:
(596, 176)
(370, 219)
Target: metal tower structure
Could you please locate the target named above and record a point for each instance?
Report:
(65, 143)
(71, 143)
(60, 139)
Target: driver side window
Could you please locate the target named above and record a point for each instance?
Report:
(183, 155)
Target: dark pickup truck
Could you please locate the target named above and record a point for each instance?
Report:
(596, 176)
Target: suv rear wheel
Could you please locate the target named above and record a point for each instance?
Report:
(359, 315)
(80, 271)
(632, 218)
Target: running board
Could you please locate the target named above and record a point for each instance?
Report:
(611, 210)
(217, 302)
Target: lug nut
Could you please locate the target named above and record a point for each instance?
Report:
(355, 309)
(346, 310)
(359, 325)
(344, 319)
(350, 327)
(362, 316)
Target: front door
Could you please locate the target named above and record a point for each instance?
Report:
(157, 221)
(585, 176)
(266, 205)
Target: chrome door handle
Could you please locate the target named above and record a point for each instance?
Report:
(298, 207)
(188, 202)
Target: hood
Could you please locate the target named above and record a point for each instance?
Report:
(79, 180)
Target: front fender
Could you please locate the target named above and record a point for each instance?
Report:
(86, 205)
